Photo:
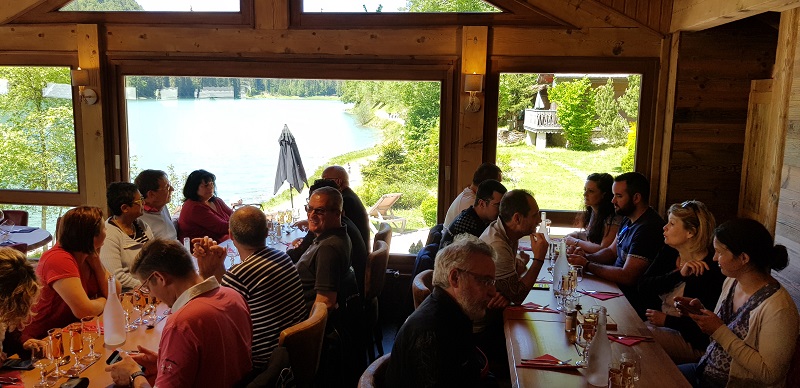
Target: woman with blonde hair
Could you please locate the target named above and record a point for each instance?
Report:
(19, 289)
(73, 279)
(685, 266)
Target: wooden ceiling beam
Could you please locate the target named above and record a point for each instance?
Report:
(695, 15)
(589, 14)
(11, 9)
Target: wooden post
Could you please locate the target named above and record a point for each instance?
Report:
(91, 146)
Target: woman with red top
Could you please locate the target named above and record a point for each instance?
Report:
(203, 213)
(73, 279)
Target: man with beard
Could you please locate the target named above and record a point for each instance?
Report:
(434, 347)
(639, 240)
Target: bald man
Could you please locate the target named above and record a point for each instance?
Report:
(353, 207)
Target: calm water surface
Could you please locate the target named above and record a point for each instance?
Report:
(237, 140)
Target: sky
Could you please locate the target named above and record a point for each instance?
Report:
(233, 5)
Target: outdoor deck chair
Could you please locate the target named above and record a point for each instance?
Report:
(381, 211)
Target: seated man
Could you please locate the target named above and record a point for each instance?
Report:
(266, 278)
(467, 197)
(434, 347)
(477, 217)
(156, 194)
(638, 241)
(206, 340)
(353, 207)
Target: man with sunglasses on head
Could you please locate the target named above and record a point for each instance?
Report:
(327, 276)
(638, 241)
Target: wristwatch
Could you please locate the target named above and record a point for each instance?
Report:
(135, 375)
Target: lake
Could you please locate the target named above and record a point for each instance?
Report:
(237, 140)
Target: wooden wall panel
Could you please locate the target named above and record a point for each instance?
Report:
(655, 14)
(591, 42)
(38, 38)
(712, 87)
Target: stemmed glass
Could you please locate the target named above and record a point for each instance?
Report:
(75, 347)
(6, 227)
(126, 299)
(42, 359)
(91, 331)
(585, 334)
(55, 336)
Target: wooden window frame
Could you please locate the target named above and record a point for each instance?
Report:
(42, 197)
(443, 70)
(646, 146)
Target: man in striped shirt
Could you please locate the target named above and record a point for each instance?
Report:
(266, 278)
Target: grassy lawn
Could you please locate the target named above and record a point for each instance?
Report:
(556, 175)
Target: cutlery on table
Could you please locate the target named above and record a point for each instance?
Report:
(546, 362)
(600, 292)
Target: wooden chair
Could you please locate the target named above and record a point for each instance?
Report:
(384, 234)
(422, 286)
(304, 343)
(381, 211)
(375, 375)
(22, 247)
(20, 217)
(374, 280)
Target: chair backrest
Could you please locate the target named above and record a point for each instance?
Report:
(304, 343)
(375, 374)
(22, 247)
(375, 274)
(422, 286)
(20, 217)
(385, 234)
(385, 202)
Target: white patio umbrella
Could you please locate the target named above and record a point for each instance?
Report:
(290, 167)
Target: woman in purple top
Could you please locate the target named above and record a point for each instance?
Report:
(203, 213)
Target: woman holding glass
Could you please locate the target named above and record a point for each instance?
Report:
(203, 213)
(599, 221)
(685, 266)
(18, 291)
(73, 279)
(125, 232)
(754, 327)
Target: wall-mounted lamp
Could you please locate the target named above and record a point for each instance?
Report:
(473, 84)
(80, 78)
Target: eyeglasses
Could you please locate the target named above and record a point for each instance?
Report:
(168, 187)
(482, 279)
(142, 287)
(318, 211)
(136, 202)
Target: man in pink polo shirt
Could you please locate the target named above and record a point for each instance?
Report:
(206, 340)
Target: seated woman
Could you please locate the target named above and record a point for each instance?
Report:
(73, 279)
(599, 221)
(125, 232)
(754, 326)
(203, 213)
(684, 267)
(18, 292)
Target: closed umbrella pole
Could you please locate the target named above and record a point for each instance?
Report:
(290, 166)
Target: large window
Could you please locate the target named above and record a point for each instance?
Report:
(392, 6)
(556, 129)
(385, 133)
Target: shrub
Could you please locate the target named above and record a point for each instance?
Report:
(576, 112)
(429, 210)
(627, 163)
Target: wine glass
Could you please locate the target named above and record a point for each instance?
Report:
(562, 291)
(152, 304)
(91, 331)
(75, 347)
(42, 358)
(126, 299)
(55, 336)
(585, 334)
(6, 226)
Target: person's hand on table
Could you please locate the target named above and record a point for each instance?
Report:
(296, 243)
(121, 371)
(656, 317)
(498, 301)
(148, 359)
(695, 268)
(33, 344)
(302, 225)
(577, 260)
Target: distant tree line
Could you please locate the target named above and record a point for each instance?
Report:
(146, 86)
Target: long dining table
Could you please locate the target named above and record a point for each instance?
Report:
(98, 377)
(533, 334)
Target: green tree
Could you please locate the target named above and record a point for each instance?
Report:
(38, 132)
(612, 125)
(576, 112)
(517, 93)
(449, 6)
(103, 5)
(629, 102)
(628, 162)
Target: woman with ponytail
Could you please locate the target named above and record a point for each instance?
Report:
(755, 324)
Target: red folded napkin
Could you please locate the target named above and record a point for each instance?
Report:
(601, 295)
(533, 307)
(626, 341)
(92, 327)
(546, 361)
(13, 374)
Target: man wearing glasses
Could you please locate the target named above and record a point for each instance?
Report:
(638, 241)
(477, 217)
(157, 192)
(435, 347)
(207, 338)
(327, 276)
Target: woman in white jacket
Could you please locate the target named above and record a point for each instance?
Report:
(125, 232)
(755, 324)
